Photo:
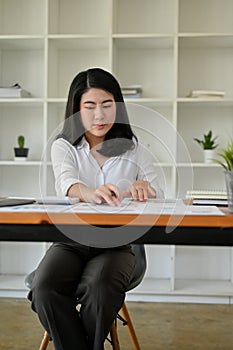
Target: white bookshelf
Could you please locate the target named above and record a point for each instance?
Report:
(169, 47)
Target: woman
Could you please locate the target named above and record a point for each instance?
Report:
(98, 159)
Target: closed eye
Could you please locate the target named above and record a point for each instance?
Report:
(107, 105)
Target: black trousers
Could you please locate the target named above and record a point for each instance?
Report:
(96, 278)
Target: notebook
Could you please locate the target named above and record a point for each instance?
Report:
(7, 202)
(208, 197)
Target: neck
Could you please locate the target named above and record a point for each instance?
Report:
(94, 142)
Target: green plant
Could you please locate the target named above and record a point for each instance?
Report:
(208, 142)
(21, 140)
(227, 155)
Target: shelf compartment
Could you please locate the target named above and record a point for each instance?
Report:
(22, 17)
(153, 64)
(162, 143)
(204, 117)
(55, 119)
(79, 17)
(67, 57)
(202, 263)
(19, 120)
(200, 178)
(205, 64)
(146, 16)
(29, 69)
(205, 16)
(16, 251)
(19, 183)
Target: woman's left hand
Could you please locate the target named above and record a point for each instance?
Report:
(140, 191)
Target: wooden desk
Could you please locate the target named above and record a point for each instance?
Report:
(191, 230)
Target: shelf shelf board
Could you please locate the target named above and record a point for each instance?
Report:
(206, 41)
(198, 165)
(78, 36)
(207, 101)
(203, 34)
(153, 286)
(203, 287)
(21, 163)
(142, 35)
(21, 101)
(80, 42)
(149, 100)
(189, 287)
(56, 100)
(143, 42)
(21, 42)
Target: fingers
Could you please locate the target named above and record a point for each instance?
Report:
(140, 191)
(108, 193)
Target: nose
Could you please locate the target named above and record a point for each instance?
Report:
(99, 112)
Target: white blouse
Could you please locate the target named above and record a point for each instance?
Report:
(75, 164)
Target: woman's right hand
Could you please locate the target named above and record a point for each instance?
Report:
(107, 193)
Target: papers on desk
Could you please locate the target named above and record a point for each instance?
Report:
(152, 206)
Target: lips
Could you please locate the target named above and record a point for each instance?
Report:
(100, 126)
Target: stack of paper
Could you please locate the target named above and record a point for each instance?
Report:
(131, 91)
(206, 94)
(13, 91)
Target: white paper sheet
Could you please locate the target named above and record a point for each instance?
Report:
(152, 206)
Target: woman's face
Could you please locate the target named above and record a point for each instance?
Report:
(98, 112)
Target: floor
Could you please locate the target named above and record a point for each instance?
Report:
(159, 326)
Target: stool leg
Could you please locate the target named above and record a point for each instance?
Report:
(130, 327)
(114, 337)
(45, 341)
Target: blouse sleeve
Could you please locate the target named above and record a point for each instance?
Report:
(64, 164)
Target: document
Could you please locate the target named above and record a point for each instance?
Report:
(128, 206)
(152, 207)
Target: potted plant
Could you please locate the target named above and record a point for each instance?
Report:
(21, 152)
(208, 143)
(227, 163)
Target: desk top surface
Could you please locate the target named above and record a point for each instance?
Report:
(116, 219)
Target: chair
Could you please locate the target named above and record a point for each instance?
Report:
(136, 278)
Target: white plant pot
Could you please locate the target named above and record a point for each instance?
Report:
(208, 155)
(229, 186)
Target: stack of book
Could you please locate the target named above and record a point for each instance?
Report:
(202, 197)
(13, 91)
(206, 94)
(131, 91)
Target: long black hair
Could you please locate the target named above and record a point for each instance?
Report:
(120, 137)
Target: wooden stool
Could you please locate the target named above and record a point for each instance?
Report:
(114, 340)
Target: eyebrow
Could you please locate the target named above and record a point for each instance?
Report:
(92, 102)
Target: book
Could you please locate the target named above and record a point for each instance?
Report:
(206, 94)
(14, 91)
(131, 91)
(207, 197)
